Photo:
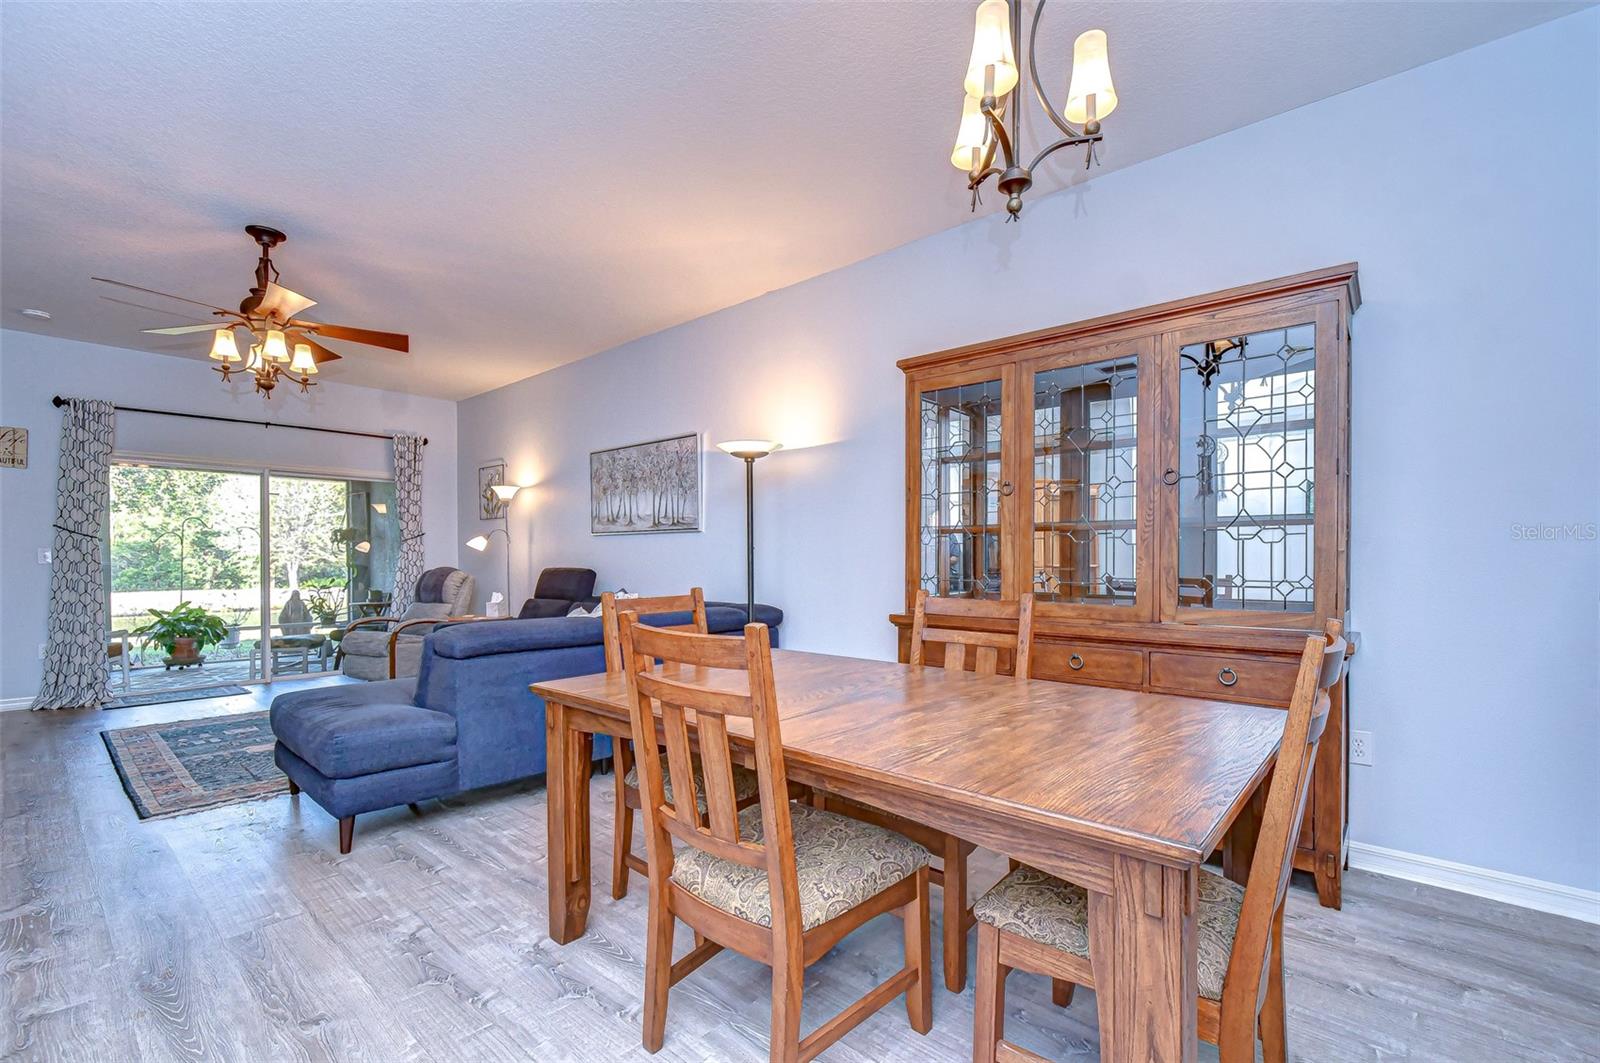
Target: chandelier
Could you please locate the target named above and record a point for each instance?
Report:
(991, 117)
(269, 359)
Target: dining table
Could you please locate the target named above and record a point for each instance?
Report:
(1125, 793)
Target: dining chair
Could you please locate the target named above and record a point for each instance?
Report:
(1034, 922)
(778, 882)
(965, 649)
(627, 775)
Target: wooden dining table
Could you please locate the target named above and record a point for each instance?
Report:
(1123, 792)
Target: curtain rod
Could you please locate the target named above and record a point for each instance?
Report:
(58, 401)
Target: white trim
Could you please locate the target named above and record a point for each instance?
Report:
(1541, 896)
(7, 704)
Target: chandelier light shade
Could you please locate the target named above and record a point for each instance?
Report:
(224, 348)
(303, 362)
(276, 349)
(971, 138)
(995, 150)
(254, 363)
(1091, 96)
(993, 68)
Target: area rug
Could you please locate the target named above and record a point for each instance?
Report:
(161, 697)
(172, 768)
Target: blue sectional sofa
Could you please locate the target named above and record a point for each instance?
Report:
(468, 720)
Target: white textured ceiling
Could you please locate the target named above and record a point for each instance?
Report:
(521, 185)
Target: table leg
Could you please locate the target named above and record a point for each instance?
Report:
(567, 754)
(1142, 947)
(1239, 847)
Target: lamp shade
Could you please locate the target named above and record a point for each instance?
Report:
(991, 47)
(254, 362)
(478, 542)
(276, 349)
(224, 348)
(1091, 80)
(505, 492)
(749, 448)
(303, 361)
(363, 546)
(971, 137)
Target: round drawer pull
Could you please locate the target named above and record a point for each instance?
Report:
(1227, 677)
(1075, 662)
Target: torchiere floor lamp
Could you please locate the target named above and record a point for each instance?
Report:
(748, 450)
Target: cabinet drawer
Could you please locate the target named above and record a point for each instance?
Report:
(1086, 663)
(1235, 677)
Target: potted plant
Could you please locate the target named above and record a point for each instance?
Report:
(326, 603)
(183, 632)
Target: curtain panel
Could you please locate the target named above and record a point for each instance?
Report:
(408, 500)
(75, 671)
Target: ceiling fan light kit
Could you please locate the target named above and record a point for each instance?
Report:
(282, 345)
(991, 117)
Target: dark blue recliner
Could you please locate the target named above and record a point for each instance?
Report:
(467, 721)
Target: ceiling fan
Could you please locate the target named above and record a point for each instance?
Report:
(281, 343)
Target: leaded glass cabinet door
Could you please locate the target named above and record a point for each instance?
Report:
(1088, 519)
(1255, 468)
(963, 495)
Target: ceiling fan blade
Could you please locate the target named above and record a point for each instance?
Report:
(318, 351)
(393, 341)
(164, 295)
(140, 306)
(282, 303)
(184, 330)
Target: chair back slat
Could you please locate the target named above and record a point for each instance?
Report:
(694, 675)
(964, 646)
(611, 607)
(1322, 664)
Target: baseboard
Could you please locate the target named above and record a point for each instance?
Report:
(1552, 897)
(15, 703)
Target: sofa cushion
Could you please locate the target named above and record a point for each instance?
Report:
(537, 608)
(343, 740)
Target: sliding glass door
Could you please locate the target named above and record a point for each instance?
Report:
(218, 577)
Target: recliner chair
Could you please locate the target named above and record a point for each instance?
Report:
(388, 647)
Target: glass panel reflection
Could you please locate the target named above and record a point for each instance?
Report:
(960, 523)
(1247, 471)
(1085, 480)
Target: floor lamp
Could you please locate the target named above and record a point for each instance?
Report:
(505, 493)
(748, 450)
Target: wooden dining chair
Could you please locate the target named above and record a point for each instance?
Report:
(1035, 922)
(623, 859)
(778, 882)
(965, 649)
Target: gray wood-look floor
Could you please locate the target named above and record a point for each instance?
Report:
(241, 934)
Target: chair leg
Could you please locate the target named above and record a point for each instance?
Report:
(657, 969)
(989, 1008)
(622, 827)
(955, 914)
(1061, 992)
(919, 996)
(1274, 1017)
(788, 988)
(347, 833)
(294, 787)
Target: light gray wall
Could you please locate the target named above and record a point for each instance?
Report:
(33, 368)
(1472, 210)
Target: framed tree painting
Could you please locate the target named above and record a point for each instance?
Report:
(646, 487)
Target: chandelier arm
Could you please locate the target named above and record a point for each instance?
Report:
(974, 180)
(1001, 136)
(1065, 142)
(1038, 89)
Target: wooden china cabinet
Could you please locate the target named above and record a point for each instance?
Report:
(1171, 484)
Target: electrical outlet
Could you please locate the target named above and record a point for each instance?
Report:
(1361, 747)
(44, 557)
(42, 648)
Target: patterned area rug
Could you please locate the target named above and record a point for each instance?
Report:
(172, 768)
(160, 697)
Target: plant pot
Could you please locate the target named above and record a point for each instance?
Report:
(184, 651)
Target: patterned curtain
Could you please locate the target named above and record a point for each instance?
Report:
(408, 500)
(75, 656)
